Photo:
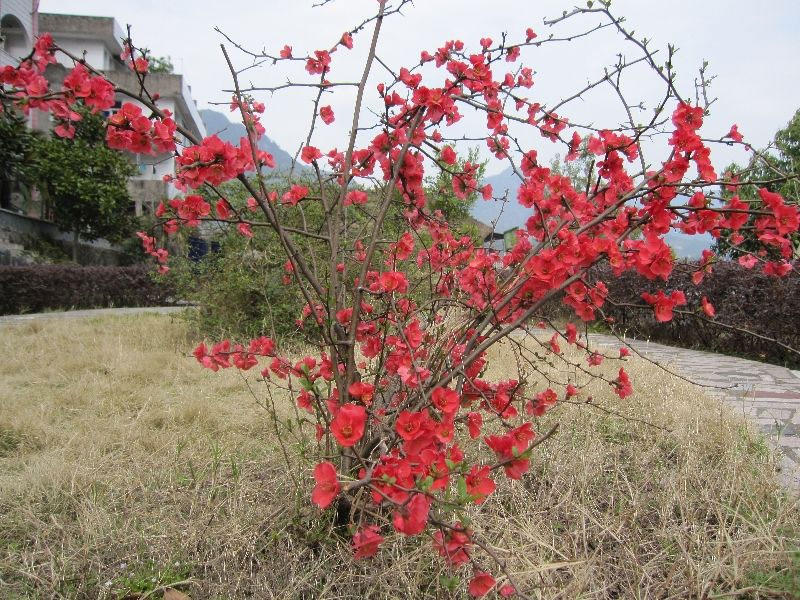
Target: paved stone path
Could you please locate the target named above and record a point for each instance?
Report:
(768, 395)
(96, 312)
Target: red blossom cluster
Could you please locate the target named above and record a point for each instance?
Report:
(214, 161)
(129, 129)
(29, 88)
(160, 254)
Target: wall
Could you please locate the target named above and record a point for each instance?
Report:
(96, 53)
(146, 194)
(17, 231)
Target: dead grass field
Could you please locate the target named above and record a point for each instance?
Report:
(126, 469)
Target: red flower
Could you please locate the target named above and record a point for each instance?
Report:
(748, 261)
(480, 585)
(326, 113)
(320, 64)
(445, 432)
(366, 542)
(344, 315)
(687, 116)
(304, 401)
(778, 269)
(327, 487)
(223, 209)
(453, 544)
(663, 304)
(140, 65)
(411, 425)
(347, 40)
(507, 590)
(503, 447)
(474, 423)
(348, 424)
(355, 197)
(708, 308)
(446, 400)
(412, 518)
(295, 194)
(286, 52)
(404, 246)
(544, 401)
(479, 484)
(521, 436)
(362, 391)
(595, 359)
(554, 344)
(393, 281)
(310, 154)
(571, 331)
(622, 384)
(734, 134)
(448, 155)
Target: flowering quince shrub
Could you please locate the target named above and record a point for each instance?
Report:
(407, 431)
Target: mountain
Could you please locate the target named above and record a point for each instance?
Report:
(218, 123)
(515, 215)
(509, 215)
(688, 246)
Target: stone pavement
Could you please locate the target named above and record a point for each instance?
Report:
(767, 394)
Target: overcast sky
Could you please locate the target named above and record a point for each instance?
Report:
(752, 48)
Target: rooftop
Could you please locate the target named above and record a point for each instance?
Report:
(80, 26)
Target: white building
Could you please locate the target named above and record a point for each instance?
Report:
(98, 40)
(17, 29)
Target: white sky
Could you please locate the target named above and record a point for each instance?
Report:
(753, 49)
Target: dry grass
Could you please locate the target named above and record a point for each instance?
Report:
(125, 468)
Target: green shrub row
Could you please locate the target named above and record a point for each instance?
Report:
(750, 306)
(37, 288)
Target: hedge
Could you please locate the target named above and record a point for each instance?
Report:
(744, 298)
(35, 288)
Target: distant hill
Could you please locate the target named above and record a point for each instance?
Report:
(515, 215)
(218, 123)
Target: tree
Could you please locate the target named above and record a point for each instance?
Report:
(85, 182)
(776, 169)
(159, 64)
(579, 169)
(395, 384)
(16, 147)
(237, 284)
(443, 189)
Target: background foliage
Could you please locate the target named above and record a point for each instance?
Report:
(781, 157)
(764, 305)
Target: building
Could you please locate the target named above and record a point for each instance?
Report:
(98, 40)
(18, 22)
(500, 242)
